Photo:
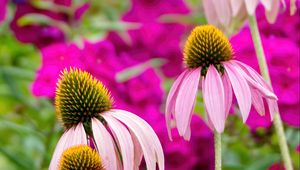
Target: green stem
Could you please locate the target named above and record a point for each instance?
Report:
(218, 151)
(265, 73)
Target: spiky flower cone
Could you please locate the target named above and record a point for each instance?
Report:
(80, 157)
(80, 97)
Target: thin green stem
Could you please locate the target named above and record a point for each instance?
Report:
(265, 73)
(218, 151)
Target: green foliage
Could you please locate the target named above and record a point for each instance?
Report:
(28, 126)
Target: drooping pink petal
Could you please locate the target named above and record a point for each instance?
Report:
(138, 152)
(146, 136)
(293, 7)
(258, 102)
(207, 118)
(210, 12)
(105, 145)
(254, 79)
(123, 139)
(235, 6)
(171, 99)
(267, 4)
(72, 137)
(273, 107)
(223, 11)
(272, 14)
(187, 133)
(227, 93)
(251, 6)
(185, 100)
(241, 89)
(213, 96)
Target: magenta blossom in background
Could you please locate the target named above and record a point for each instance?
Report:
(42, 35)
(153, 39)
(3, 6)
(151, 10)
(54, 59)
(39, 35)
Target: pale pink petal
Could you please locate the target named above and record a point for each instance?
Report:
(187, 133)
(146, 136)
(123, 139)
(105, 145)
(241, 89)
(185, 100)
(210, 12)
(207, 118)
(235, 6)
(267, 4)
(227, 93)
(293, 7)
(72, 137)
(223, 10)
(273, 107)
(258, 102)
(213, 96)
(171, 99)
(272, 14)
(254, 79)
(138, 152)
(251, 6)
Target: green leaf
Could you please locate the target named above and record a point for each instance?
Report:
(30, 19)
(263, 163)
(20, 160)
(18, 72)
(136, 70)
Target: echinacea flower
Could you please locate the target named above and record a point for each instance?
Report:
(80, 157)
(84, 106)
(208, 56)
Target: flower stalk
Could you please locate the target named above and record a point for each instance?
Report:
(265, 74)
(218, 151)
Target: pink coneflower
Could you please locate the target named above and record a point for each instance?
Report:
(211, 67)
(121, 139)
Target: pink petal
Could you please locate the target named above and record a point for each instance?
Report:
(267, 4)
(223, 11)
(210, 12)
(293, 7)
(171, 99)
(273, 107)
(184, 106)
(138, 152)
(146, 136)
(240, 88)
(251, 6)
(207, 118)
(235, 6)
(254, 79)
(272, 14)
(213, 96)
(188, 132)
(227, 93)
(72, 137)
(258, 102)
(123, 139)
(105, 145)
